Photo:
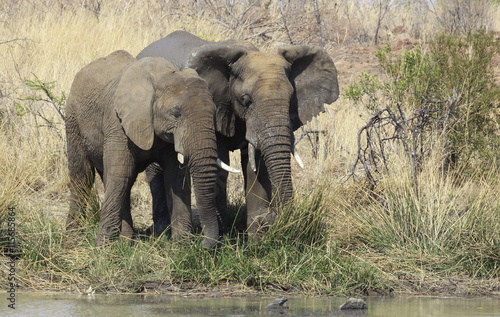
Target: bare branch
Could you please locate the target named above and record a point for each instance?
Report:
(16, 40)
(389, 128)
(285, 22)
(307, 132)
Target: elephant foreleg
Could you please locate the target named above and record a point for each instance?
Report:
(258, 193)
(178, 192)
(221, 188)
(115, 214)
(162, 206)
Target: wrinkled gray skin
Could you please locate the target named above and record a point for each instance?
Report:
(123, 115)
(261, 99)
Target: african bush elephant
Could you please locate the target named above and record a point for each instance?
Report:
(124, 114)
(260, 99)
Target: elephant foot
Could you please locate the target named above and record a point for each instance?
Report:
(102, 241)
(258, 225)
(75, 222)
(106, 235)
(195, 220)
(127, 230)
(158, 228)
(181, 235)
(210, 243)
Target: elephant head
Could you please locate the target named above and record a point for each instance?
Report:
(273, 95)
(155, 102)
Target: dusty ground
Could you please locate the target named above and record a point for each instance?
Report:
(351, 61)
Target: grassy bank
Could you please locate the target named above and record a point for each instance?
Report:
(331, 242)
(294, 256)
(417, 228)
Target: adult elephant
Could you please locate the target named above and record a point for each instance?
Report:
(260, 100)
(124, 114)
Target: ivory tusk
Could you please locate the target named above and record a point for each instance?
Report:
(298, 159)
(180, 158)
(251, 157)
(226, 167)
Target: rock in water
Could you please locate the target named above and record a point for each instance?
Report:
(278, 303)
(354, 303)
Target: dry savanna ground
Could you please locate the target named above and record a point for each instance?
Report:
(49, 41)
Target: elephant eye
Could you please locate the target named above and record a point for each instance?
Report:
(176, 112)
(246, 100)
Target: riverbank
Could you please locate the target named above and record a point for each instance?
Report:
(295, 257)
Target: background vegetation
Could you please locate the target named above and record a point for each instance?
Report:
(401, 189)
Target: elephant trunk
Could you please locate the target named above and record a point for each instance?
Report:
(274, 142)
(276, 156)
(203, 168)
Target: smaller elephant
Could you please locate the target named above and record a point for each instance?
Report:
(124, 114)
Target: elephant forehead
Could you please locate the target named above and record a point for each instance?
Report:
(182, 90)
(265, 63)
(181, 82)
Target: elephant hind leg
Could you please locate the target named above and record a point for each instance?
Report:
(178, 193)
(161, 208)
(82, 176)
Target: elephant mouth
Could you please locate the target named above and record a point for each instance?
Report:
(253, 165)
(226, 167)
(220, 164)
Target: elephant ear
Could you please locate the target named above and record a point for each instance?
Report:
(314, 77)
(213, 63)
(133, 101)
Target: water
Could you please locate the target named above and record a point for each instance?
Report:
(34, 305)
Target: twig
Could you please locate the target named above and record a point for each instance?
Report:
(317, 15)
(389, 126)
(307, 132)
(15, 40)
(285, 22)
(56, 102)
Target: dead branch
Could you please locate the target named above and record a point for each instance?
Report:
(16, 40)
(388, 129)
(307, 132)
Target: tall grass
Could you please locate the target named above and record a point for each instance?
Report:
(294, 255)
(455, 220)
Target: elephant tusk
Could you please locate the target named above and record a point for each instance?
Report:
(251, 157)
(180, 158)
(226, 167)
(298, 159)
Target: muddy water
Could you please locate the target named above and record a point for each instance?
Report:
(158, 305)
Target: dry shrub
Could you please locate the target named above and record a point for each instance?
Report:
(32, 167)
(465, 16)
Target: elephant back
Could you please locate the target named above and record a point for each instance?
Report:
(175, 47)
(92, 80)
